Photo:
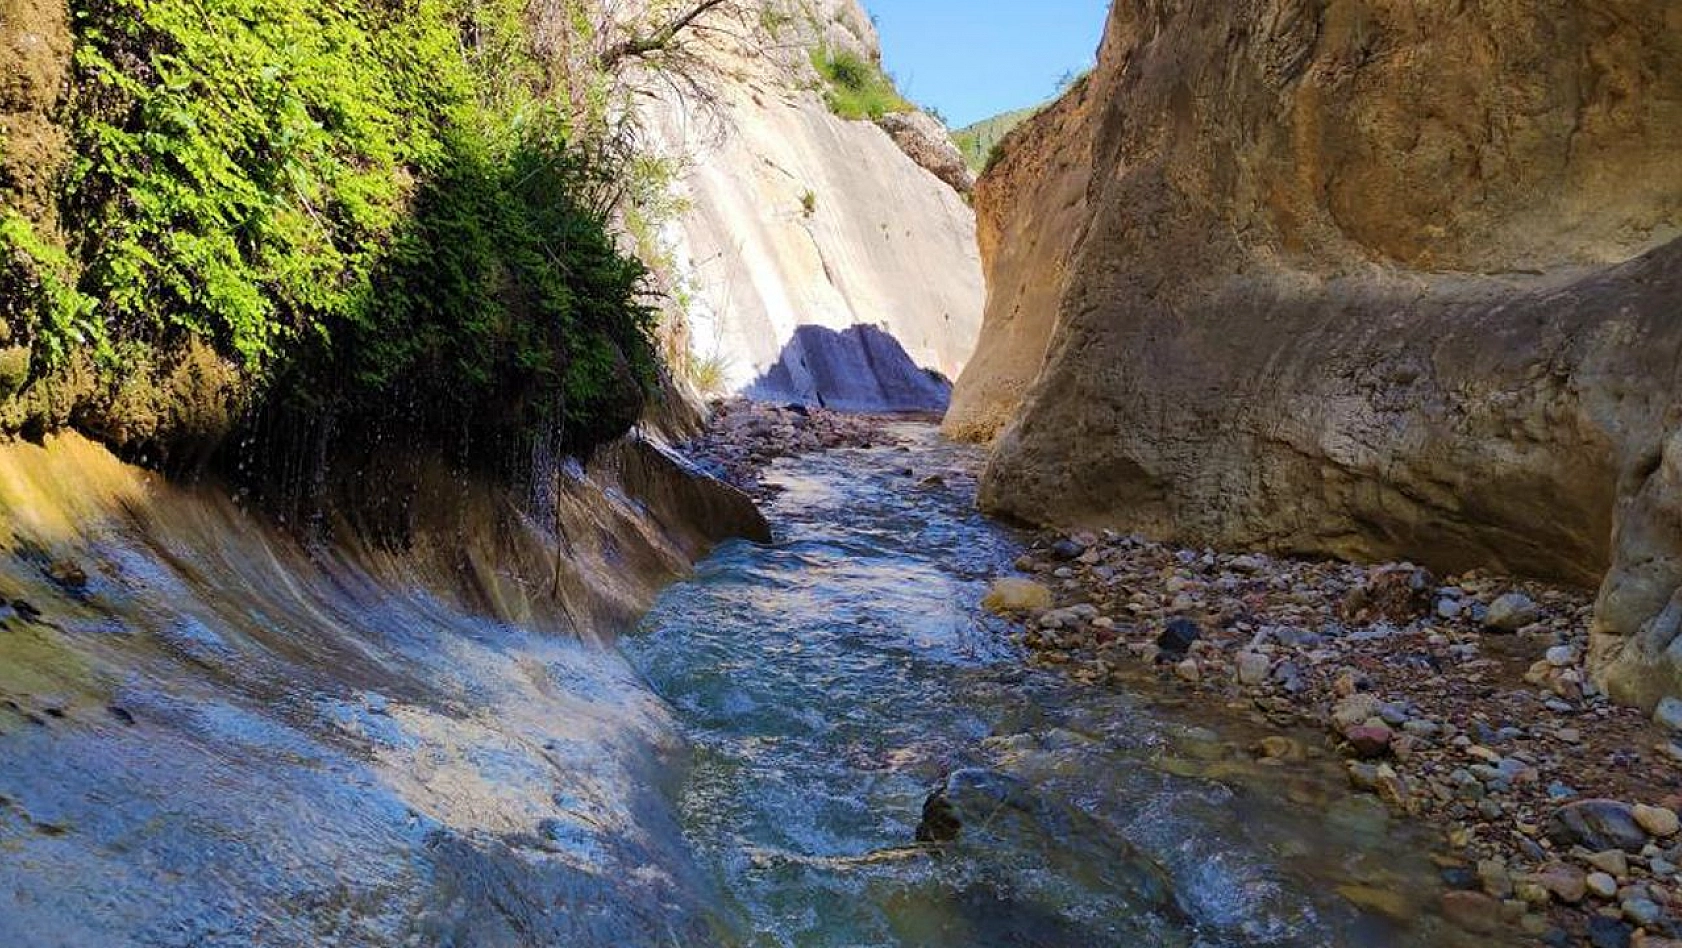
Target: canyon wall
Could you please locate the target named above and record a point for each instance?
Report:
(204, 722)
(794, 217)
(1357, 278)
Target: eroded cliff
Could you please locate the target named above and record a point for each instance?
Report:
(797, 218)
(1362, 279)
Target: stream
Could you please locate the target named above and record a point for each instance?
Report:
(213, 737)
(828, 682)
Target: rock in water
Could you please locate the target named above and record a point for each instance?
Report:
(1177, 637)
(1597, 825)
(1016, 595)
(1369, 741)
(940, 823)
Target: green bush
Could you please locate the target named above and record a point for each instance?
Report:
(365, 204)
(856, 88)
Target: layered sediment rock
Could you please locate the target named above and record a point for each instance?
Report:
(1360, 279)
(798, 218)
(188, 693)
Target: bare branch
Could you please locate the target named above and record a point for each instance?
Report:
(637, 46)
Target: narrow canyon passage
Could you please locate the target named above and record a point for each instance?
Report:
(827, 682)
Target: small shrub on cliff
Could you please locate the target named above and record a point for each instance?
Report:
(856, 88)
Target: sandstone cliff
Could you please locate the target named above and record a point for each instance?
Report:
(1363, 279)
(795, 217)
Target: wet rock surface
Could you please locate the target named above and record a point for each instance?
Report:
(211, 735)
(1460, 702)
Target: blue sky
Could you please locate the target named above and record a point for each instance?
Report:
(972, 59)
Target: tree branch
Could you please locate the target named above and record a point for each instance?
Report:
(637, 46)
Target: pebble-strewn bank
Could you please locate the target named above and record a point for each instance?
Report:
(1462, 701)
(742, 437)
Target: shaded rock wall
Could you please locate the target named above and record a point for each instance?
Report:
(1366, 279)
(796, 217)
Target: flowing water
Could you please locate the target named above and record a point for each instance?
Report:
(828, 682)
(211, 737)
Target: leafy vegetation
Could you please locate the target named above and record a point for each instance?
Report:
(981, 143)
(372, 207)
(855, 87)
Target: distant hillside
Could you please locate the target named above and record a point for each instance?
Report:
(978, 140)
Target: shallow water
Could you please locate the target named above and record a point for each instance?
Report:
(828, 682)
(223, 739)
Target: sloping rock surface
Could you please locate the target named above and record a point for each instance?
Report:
(797, 218)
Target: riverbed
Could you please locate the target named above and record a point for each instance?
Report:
(828, 683)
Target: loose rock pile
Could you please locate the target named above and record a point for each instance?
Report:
(744, 437)
(1462, 702)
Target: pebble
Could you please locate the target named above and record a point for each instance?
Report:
(1493, 875)
(1657, 820)
(1567, 882)
(1601, 885)
(1355, 709)
(1368, 740)
(1177, 636)
(1253, 668)
(1608, 933)
(1597, 825)
(1612, 861)
(1642, 912)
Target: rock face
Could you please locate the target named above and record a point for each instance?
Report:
(1360, 279)
(197, 691)
(927, 142)
(34, 61)
(797, 218)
